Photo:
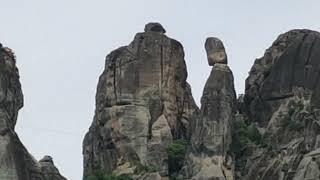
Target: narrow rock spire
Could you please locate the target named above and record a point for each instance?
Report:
(212, 138)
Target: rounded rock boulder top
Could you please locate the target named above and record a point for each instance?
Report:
(154, 27)
(215, 51)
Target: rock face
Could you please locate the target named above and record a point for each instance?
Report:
(143, 103)
(147, 126)
(288, 66)
(282, 102)
(210, 156)
(15, 161)
(215, 51)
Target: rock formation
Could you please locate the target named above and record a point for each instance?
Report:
(15, 161)
(143, 104)
(282, 103)
(147, 126)
(215, 51)
(210, 157)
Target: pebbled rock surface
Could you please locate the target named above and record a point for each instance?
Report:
(282, 101)
(143, 103)
(15, 161)
(210, 156)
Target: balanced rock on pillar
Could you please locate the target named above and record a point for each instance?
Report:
(215, 51)
(209, 156)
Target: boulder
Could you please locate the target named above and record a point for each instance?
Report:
(215, 51)
(154, 27)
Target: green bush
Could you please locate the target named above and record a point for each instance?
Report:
(176, 155)
(254, 134)
(295, 126)
(244, 134)
(288, 120)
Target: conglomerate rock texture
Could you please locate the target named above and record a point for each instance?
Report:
(15, 161)
(146, 120)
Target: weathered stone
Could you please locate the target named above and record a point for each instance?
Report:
(15, 161)
(215, 51)
(282, 100)
(143, 102)
(154, 27)
(291, 62)
(218, 103)
(309, 167)
(211, 140)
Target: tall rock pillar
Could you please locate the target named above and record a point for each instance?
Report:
(209, 157)
(143, 103)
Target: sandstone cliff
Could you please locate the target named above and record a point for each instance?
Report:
(15, 161)
(147, 126)
(143, 104)
(282, 103)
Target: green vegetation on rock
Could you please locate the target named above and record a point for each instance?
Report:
(288, 120)
(176, 155)
(244, 134)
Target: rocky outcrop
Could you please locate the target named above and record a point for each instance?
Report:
(15, 161)
(289, 65)
(282, 103)
(143, 104)
(210, 156)
(147, 126)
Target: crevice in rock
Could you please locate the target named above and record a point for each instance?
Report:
(4, 131)
(161, 68)
(123, 103)
(310, 52)
(275, 98)
(114, 81)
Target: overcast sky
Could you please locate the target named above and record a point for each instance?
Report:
(61, 46)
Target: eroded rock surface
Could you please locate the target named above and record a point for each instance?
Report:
(289, 64)
(15, 161)
(145, 113)
(154, 27)
(282, 102)
(143, 103)
(215, 51)
(210, 156)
